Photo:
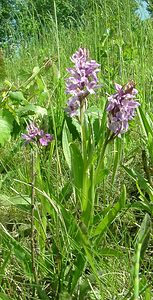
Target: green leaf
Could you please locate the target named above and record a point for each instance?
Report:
(66, 144)
(94, 112)
(144, 122)
(41, 293)
(40, 84)
(110, 252)
(17, 97)
(34, 109)
(117, 157)
(111, 215)
(141, 244)
(5, 130)
(79, 266)
(150, 146)
(143, 234)
(143, 206)
(20, 252)
(77, 166)
(16, 200)
(140, 181)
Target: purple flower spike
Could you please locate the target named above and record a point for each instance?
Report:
(34, 134)
(82, 81)
(121, 107)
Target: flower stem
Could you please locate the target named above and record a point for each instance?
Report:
(32, 222)
(102, 153)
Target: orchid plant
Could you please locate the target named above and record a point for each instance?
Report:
(83, 81)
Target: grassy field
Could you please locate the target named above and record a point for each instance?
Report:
(76, 215)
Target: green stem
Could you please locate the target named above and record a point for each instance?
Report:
(83, 135)
(102, 153)
(32, 222)
(136, 272)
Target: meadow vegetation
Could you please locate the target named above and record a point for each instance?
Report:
(76, 193)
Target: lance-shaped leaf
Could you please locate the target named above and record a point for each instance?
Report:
(111, 215)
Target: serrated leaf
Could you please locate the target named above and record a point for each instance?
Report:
(17, 96)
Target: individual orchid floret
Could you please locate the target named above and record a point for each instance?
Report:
(82, 81)
(34, 134)
(121, 107)
(45, 139)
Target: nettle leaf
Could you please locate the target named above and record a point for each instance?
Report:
(5, 129)
(17, 97)
(33, 109)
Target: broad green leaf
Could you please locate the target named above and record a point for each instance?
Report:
(77, 125)
(144, 122)
(5, 130)
(17, 97)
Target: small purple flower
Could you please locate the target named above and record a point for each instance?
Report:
(82, 81)
(121, 107)
(45, 139)
(34, 134)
